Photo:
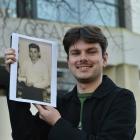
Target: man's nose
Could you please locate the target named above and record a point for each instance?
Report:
(83, 57)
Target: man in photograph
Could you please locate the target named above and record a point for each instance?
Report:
(33, 79)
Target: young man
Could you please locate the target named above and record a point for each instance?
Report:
(96, 109)
(33, 79)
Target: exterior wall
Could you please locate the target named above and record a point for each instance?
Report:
(118, 38)
(5, 128)
(132, 15)
(131, 48)
(135, 8)
(127, 76)
(128, 14)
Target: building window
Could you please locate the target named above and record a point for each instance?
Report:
(99, 12)
(8, 8)
(26, 8)
(65, 81)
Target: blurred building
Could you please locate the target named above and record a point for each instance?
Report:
(119, 19)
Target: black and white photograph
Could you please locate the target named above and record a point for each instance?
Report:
(33, 76)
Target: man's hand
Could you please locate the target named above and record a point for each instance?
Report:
(10, 57)
(48, 114)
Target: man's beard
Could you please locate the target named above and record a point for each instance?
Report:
(91, 79)
(85, 80)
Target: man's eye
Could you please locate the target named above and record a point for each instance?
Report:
(92, 52)
(75, 53)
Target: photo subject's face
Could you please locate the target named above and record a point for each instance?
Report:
(86, 61)
(34, 54)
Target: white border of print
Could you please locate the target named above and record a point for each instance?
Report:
(13, 70)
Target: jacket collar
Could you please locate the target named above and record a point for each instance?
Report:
(105, 88)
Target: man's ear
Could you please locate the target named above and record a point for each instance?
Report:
(105, 59)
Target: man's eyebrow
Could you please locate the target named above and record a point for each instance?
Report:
(91, 49)
(74, 49)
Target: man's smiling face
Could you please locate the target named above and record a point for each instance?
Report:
(86, 61)
(34, 54)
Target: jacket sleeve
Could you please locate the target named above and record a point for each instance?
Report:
(26, 126)
(4, 78)
(118, 124)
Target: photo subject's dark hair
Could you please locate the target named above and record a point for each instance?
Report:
(33, 45)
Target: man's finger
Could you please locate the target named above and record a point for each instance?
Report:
(47, 107)
(11, 56)
(40, 117)
(9, 61)
(9, 51)
(39, 107)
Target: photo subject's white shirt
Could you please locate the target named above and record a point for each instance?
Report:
(37, 73)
